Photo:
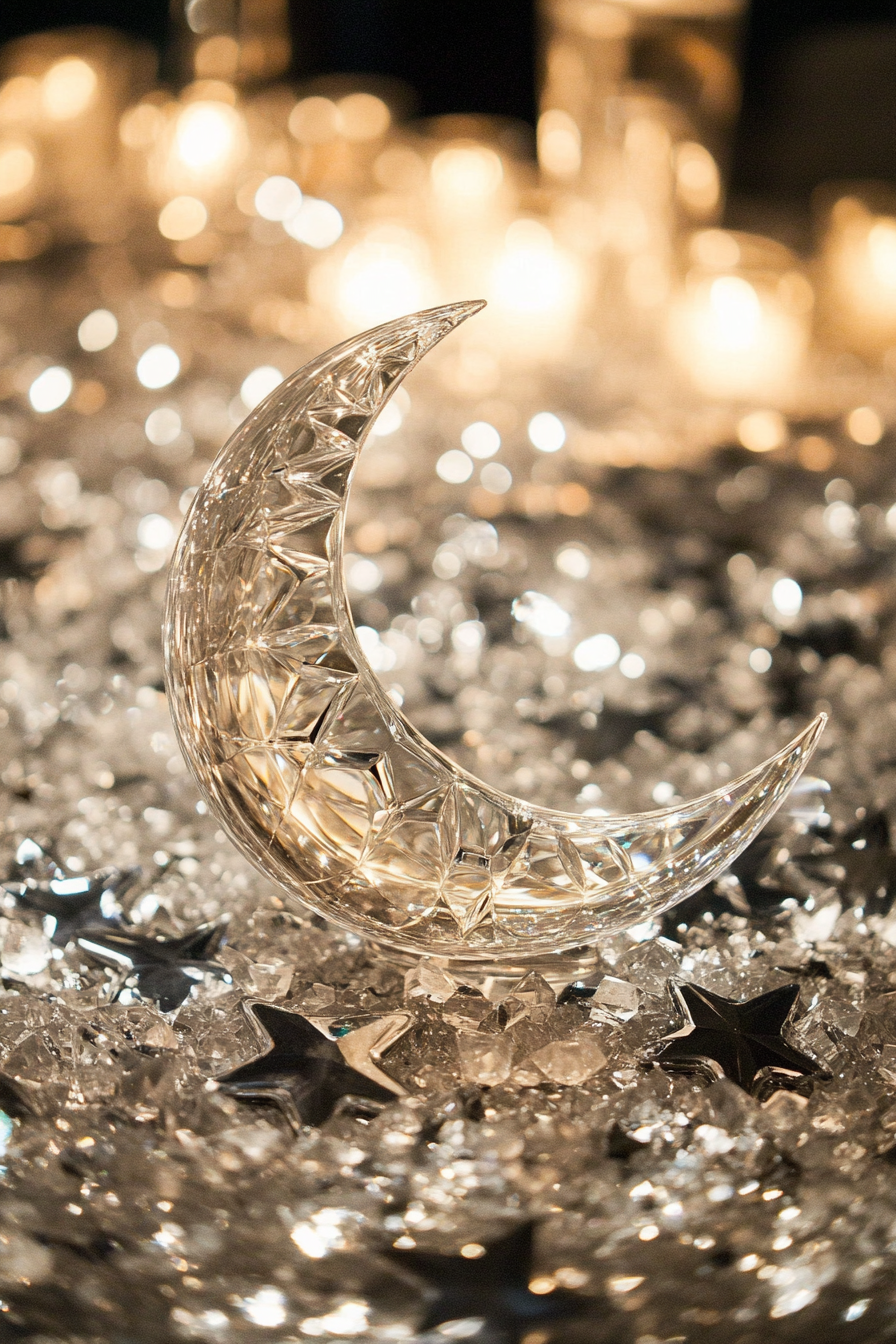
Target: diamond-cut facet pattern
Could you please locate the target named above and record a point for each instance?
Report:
(313, 770)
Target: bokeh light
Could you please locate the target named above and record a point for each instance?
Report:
(455, 467)
(465, 174)
(182, 218)
(315, 120)
(278, 198)
(17, 167)
(547, 432)
(363, 116)
(162, 426)
(481, 439)
(98, 330)
(559, 144)
(259, 384)
(158, 366)
(596, 653)
(155, 532)
(383, 276)
(542, 615)
(787, 596)
(316, 223)
(496, 478)
(208, 140)
(51, 389)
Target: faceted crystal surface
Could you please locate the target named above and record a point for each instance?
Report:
(310, 765)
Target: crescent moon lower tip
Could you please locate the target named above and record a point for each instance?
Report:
(812, 733)
(804, 743)
(794, 758)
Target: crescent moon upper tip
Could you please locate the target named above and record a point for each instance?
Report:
(458, 312)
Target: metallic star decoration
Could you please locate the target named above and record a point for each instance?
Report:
(861, 863)
(491, 1287)
(68, 903)
(165, 970)
(310, 1065)
(740, 1041)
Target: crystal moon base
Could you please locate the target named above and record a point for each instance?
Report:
(312, 769)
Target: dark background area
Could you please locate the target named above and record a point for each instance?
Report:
(819, 75)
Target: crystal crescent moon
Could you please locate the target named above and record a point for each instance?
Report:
(314, 772)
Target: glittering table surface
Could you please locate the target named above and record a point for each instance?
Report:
(144, 1201)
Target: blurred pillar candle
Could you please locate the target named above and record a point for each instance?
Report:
(335, 135)
(740, 322)
(684, 50)
(244, 41)
(188, 158)
(469, 208)
(21, 175)
(858, 268)
(648, 183)
(60, 102)
(636, 215)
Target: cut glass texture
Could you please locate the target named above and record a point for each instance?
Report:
(313, 770)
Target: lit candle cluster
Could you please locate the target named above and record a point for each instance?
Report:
(344, 217)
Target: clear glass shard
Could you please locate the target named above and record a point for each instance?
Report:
(615, 998)
(531, 997)
(431, 981)
(570, 1062)
(484, 1059)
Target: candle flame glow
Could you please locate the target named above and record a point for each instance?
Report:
(205, 135)
(464, 174)
(734, 315)
(68, 88)
(383, 276)
(559, 144)
(742, 331)
(882, 251)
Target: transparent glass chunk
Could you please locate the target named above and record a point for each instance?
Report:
(649, 966)
(570, 1062)
(466, 1008)
(617, 998)
(530, 997)
(313, 769)
(484, 1059)
(429, 980)
(25, 950)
